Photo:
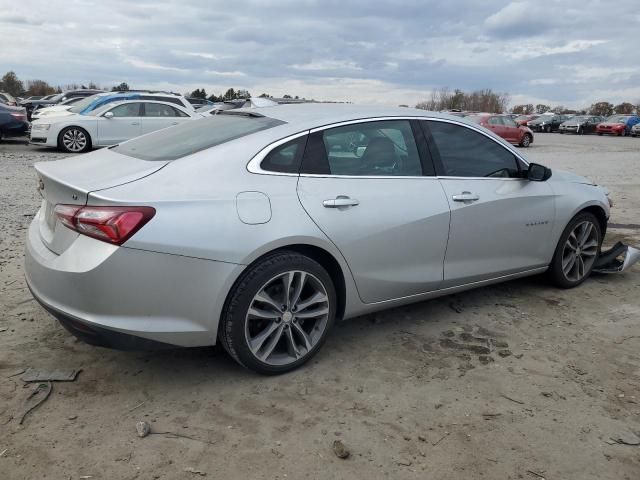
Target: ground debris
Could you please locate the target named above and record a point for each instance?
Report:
(340, 449)
(38, 395)
(57, 375)
(143, 429)
(626, 438)
(195, 472)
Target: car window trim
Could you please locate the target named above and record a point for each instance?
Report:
(253, 166)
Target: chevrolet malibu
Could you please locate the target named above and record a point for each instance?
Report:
(259, 229)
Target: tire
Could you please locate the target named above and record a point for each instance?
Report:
(74, 140)
(526, 141)
(565, 271)
(547, 129)
(270, 340)
(599, 133)
(580, 131)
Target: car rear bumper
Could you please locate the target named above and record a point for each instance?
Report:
(14, 129)
(106, 294)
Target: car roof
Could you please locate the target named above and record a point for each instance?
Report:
(110, 105)
(306, 116)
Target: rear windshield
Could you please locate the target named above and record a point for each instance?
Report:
(194, 136)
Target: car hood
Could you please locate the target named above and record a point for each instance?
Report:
(563, 176)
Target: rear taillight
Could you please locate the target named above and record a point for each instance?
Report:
(109, 224)
(19, 116)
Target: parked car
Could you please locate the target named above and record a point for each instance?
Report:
(504, 127)
(547, 123)
(64, 106)
(261, 228)
(198, 102)
(523, 120)
(108, 125)
(580, 124)
(618, 125)
(13, 121)
(57, 98)
(635, 130)
(7, 99)
(31, 98)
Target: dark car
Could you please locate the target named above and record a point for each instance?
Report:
(13, 121)
(198, 102)
(618, 125)
(504, 127)
(57, 98)
(547, 123)
(580, 124)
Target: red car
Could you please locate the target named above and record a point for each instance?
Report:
(505, 127)
(525, 119)
(617, 125)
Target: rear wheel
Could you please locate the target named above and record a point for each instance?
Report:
(279, 313)
(74, 140)
(547, 128)
(577, 251)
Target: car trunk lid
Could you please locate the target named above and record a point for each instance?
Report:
(69, 181)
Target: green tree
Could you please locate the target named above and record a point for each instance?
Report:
(624, 108)
(11, 84)
(39, 87)
(123, 87)
(286, 95)
(603, 109)
(199, 93)
(229, 94)
(542, 108)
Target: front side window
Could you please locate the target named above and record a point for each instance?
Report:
(463, 152)
(377, 148)
(126, 110)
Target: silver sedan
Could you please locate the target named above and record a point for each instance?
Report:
(259, 228)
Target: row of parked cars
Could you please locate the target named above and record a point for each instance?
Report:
(620, 125)
(83, 119)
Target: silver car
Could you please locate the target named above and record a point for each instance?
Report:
(259, 228)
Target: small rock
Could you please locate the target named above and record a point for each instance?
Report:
(519, 355)
(504, 353)
(72, 417)
(448, 333)
(195, 472)
(340, 450)
(404, 462)
(501, 344)
(143, 429)
(422, 438)
(485, 359)
(627, 438)
(407, 438)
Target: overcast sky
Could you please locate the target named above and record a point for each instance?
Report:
(558, 52)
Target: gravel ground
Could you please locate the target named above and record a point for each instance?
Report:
(407, 391)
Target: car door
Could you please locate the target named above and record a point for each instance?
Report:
(156, 116)
(495, 125)
(370, 188)
(500, 222)
(512, 130)
(121, 125)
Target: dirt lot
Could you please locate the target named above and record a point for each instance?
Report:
(403, 390)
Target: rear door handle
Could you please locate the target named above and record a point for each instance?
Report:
(340, 201)
(466, 197)
(135, 123)
(174, 123)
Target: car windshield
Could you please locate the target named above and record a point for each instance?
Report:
(84, 103)
(617, 119)
(192, 137)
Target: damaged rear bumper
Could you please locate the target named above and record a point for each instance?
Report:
(617, 259)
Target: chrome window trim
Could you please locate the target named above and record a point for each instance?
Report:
(254, 164)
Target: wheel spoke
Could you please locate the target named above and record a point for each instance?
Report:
(291, 343)
(287, 280)
(273, 341)
(264, 297)
(586, 231)
(312, 313)
(302, 278)
(259, 313)
(589, 252)
(568, 263)
(317, 297)
(572, 241)
(256, 342)
(305, 338)
(580, 264)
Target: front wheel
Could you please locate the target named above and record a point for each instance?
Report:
(547, 129)
(526, 141)
(74, 140)
(278, 314)
(577, 251)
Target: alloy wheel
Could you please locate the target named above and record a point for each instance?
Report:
(74, 140)
(580, 251)
(287, 318)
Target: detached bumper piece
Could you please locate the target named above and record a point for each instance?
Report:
(617, 259)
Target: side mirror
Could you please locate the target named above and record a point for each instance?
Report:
(538, 173)
(108, 115)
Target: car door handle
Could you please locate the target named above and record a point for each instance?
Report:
(466, 197)
(340, 201)
(135, 123)
(174, 123)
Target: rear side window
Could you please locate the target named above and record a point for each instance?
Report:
(161, 110)
(379, 148)
(286, 157)
(194, 136)
(463, 152)
(126, 110)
